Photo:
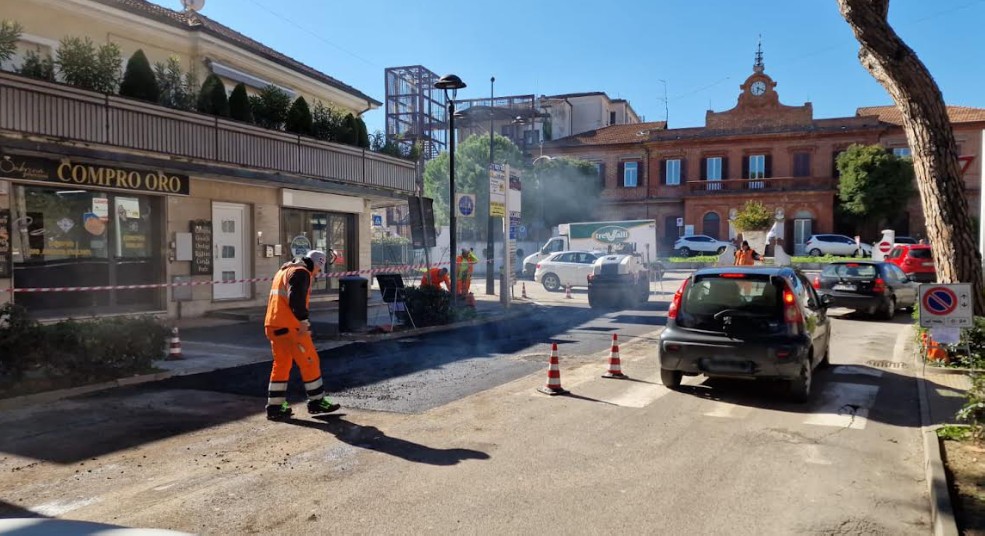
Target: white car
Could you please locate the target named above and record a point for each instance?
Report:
(565, 268)
(686, 246)
(837, 245)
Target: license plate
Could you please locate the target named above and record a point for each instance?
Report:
(929, 264)
(844, 286)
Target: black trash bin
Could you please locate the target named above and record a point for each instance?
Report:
(353, 303)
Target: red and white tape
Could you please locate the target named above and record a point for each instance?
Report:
(328, 275)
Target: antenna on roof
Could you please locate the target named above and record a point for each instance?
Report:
(193, 5)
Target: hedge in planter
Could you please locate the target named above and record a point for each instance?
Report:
(429, 306)
(139, 81)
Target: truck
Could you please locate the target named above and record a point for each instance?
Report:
(609, 237)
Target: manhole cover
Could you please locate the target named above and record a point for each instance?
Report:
(884, 363)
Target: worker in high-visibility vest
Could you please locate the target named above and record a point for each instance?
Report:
(466, 264)
(289, 330)
(435, 277)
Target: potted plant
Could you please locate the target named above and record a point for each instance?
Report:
(754, 222)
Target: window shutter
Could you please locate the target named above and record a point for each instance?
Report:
(640, 173)
(602, 174)
(704, 169)
(769, 166)
(621, 179)
(663, 172)
(724, 168)
(683, 171)
(745, 167)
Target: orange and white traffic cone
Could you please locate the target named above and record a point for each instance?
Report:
(174, 352)
(615, 365)
(553, 386)
(567, 291)
(523, 290)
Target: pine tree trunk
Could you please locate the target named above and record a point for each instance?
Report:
(928, 130)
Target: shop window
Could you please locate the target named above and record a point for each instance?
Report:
(229, 226)
(228, 252)
(229, 276)
(324, 230)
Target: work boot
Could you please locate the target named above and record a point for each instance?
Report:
(280, 412)
(322, 405)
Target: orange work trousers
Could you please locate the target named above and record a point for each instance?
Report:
(289, 346)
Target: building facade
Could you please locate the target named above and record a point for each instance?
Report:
(162, 210)
(759, 150)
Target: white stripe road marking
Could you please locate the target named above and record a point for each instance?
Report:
(639, 395)
(845, 405)
(57, 508)
(726, 410)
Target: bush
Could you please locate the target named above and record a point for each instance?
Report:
(178, 90)
(85, 66)
(10, 33)
(139, 81)
(212, 98)
(239, 104)
(21, 341)
(327, 123)
(754, 216)
(429, 306)
(270, 107)
(37, 67)
(299, 120)
(973, 412)
(362, 134)
(349, 133)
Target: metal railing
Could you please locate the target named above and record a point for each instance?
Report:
(64, 112)
(773, 184)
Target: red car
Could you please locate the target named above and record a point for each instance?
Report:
(915, 260)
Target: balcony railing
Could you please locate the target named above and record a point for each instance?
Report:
(773, 184)
(64, 112)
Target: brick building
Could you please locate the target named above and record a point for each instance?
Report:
(759, 150)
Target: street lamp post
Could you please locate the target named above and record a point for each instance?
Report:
(490, 258)
(453, 83)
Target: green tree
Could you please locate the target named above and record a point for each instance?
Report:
(138, 79)
(754, 216)
(559, 190)
(270, 107)
(362, 133)
(874, 184)
(299, 120)
(10, 33)
(327, 122)
(37, 67)
(212, 98)
(239, 104)
(86, 66)
(471, 176)
(349, 133)
(178, 89)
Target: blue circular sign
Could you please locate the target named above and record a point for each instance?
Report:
(940, 301)
(466, 206)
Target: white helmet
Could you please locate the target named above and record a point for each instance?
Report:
(318, 258)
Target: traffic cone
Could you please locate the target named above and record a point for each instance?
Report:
(174, 352)
(470, 300)
(615, 366)
(567, 291)
(523, 290)
(553, 386)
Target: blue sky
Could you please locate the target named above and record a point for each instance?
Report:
(702, 49)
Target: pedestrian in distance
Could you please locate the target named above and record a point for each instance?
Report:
(746, 256)
(288, 328)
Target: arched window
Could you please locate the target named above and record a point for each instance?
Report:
(710, 225)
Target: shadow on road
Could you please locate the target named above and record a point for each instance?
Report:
(11, 511)
(372, 438)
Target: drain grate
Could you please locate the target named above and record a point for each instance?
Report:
(885, 363)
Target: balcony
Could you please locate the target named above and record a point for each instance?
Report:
(770, 185)
(66, 113)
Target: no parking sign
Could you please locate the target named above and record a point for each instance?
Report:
(946, 305)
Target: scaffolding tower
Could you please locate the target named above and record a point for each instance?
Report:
(415, 110)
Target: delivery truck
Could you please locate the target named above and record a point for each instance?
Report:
(610, 237)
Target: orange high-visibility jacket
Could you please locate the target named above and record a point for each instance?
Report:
(279, 311)
(433, 278)
(745, 258)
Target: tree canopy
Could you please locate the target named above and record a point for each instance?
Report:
(874, 183)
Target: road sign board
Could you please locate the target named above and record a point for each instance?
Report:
(377, 220)
(680, 222)
(885, 247)
(465, 203)
(946, 305)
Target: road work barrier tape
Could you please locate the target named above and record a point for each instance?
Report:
(327, 275)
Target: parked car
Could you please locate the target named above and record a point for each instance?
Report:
(916, 261)
(905, 240)
(685, 246)
(867, 286)
(750, 322)
(837, 245)
(564, 269)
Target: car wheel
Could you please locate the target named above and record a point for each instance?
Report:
(551, 282)
(800, 387)
(815, 252)
(890, 312)
(826, 359)
(670, 378)
(684, 252)
(721, 250)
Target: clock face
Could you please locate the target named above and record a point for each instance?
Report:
(758, 87)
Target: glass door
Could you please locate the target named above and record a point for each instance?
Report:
(802, 230)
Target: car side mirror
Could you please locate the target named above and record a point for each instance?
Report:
(827, 300)
(544, 250)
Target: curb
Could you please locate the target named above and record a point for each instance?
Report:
(19, 402)
(525, 309)
(941, 509)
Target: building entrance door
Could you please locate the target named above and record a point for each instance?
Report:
(229, 235)
(802, 230)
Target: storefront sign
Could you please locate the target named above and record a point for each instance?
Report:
(75, 174)
(5, 256)
(201, 247)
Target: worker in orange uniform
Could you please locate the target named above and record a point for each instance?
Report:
(289, 330)
(746, 256)
(466, 264)
(435, 277)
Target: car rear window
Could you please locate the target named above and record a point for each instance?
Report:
(850, 270)
(920, 254)
(753, 301)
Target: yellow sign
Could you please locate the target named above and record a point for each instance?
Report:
(497, 209)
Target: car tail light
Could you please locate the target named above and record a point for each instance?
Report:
(783, 354)
(791, 312)
(538, 266)
(672, 347)
(734, 276)
(590, 277)
(675, 304)
(852, 265)
(817, 282)
(879, 286)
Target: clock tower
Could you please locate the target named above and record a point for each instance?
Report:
(758, 90)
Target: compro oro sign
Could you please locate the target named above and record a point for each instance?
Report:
(611, 234)
(946, 305)
(79, 174)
